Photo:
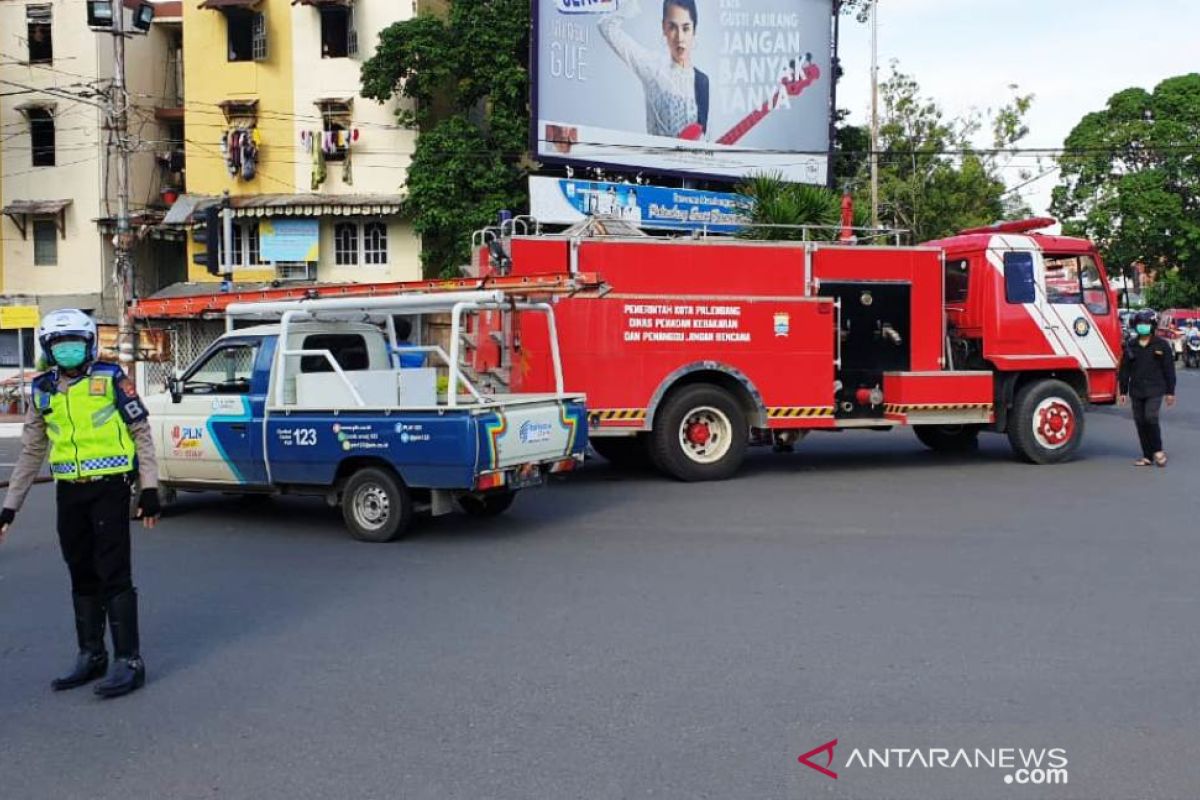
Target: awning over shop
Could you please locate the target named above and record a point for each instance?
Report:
(223, 4)
(322, 2)
(19, 211)
(189, 206)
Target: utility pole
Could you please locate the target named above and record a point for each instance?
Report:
(118, 104)
(874, 114)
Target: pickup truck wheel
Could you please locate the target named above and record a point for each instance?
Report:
(700, 434)
(948, 438)
(624, 452)
(1046, 426)
(492, 504)
(376, 506)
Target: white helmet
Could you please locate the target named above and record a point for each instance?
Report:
(67, 322)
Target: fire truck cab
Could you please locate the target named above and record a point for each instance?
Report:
(690, 350)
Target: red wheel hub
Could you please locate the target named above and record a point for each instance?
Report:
(698, 433)
(1056, 424)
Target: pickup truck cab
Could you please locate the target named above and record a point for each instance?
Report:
(318, 404)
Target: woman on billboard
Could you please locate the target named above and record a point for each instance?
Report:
(676, 92)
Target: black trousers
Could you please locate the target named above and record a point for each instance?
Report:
(1145, 417)
(93, 531)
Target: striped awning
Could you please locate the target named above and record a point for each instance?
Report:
(222, 4)
(189, 206)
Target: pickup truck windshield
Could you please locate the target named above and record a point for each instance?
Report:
(226, 371)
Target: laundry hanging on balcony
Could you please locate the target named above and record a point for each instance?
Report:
(326, 145)
(239, 147)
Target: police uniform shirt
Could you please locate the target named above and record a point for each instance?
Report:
(35, 442)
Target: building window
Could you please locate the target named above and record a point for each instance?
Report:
(41, 43)
(11, 350)
(375, 244)
(345, 244)
(247, 35)
(41, 136)
(247, 246)
(253, 249)
(45, 243)
(339, 39)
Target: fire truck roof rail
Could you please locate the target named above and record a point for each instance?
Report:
(831, 233)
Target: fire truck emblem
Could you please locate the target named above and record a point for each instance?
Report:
(1082, 327)
(783, 324)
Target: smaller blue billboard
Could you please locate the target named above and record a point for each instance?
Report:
(567, 201)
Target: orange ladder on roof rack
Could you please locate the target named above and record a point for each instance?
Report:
(213, 305)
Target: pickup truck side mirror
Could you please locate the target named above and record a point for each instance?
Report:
(175, 387)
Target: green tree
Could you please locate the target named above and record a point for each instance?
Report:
(1131, 178)
(466, 81)
(1172, 290)
(933, 181)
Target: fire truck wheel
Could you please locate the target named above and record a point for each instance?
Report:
(376, 506)
(948, 438)
(700, 434)
(1046, 425)
(491, 504)
(626, 452)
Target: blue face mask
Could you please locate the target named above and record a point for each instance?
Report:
(69, 355)
(1143, 329)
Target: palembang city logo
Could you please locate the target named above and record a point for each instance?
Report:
(1023, 766)
(586, 6)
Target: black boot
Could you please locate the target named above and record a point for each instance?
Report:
(92, 660)
(127, 672)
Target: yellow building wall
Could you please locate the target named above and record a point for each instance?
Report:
(211, 79)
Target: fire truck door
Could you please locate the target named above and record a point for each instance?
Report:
(1069, 302)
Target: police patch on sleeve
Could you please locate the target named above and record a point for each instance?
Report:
(129, 405)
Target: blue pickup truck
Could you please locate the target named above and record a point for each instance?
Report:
(318, 404)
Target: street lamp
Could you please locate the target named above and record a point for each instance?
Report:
(100, 15)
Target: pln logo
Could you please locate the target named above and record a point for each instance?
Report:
(534, 432)
(586, 6)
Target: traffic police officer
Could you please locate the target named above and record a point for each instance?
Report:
(88, 415)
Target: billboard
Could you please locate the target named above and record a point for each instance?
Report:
(567, 201)
(721, 88)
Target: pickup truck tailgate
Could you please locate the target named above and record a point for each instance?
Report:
(529, 431)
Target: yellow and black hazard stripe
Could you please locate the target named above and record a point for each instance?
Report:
(895, 408)
(617, 414)
(794, 412)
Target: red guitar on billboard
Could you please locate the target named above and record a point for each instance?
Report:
(792, 84)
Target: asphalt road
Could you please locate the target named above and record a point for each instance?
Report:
(624, 636)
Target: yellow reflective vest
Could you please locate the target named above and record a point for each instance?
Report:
(88, 435)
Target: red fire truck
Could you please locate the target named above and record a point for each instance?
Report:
(690, 350)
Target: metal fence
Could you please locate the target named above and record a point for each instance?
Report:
(189, 339)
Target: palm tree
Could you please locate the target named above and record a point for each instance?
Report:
(775, 203)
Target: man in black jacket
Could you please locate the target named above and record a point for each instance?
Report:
(1148, 375)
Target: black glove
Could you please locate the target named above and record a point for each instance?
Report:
(148, 504)
(7, 516)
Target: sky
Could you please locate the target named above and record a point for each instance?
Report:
(1071, 54)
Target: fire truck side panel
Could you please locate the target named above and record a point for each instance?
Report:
(919, 268)
(776, 355)
(670, 267)
(939, 398)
